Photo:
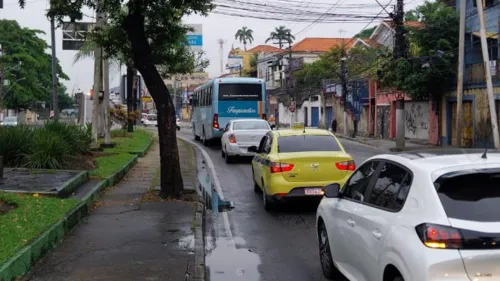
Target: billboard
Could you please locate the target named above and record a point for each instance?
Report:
(234, 62)
(74, 34)
(195, 38)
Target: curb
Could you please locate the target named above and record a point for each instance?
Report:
(70, 186)
(196, 264)
(361, 142)
(23, 261)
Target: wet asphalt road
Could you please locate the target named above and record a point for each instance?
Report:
(262, 246)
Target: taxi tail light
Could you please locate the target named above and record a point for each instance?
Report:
(346, 165)
(280, 167)
(232, 138)
(215, 121)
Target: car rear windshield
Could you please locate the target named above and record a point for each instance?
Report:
(152, 117)
(250, 125)
(241, 92)
(307, 143)
(474, 197)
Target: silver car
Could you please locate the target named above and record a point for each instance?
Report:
(240, 134)
(10, 121)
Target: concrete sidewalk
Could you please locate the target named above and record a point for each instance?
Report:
(126, 239)
(387, 145)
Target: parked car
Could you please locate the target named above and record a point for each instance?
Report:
(151, 120)
(10, 121)
(240, 134)
(423, 215)
(178, 123)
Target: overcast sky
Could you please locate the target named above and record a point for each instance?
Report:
(215, 27)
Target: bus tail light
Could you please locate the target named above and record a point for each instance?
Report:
(232, 138)
(264, 116)
(215, 121)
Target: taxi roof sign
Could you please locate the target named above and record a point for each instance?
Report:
(298, 126)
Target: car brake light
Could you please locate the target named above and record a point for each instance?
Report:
(232, 139)
(346, 165)
(280, 167)
(215, 121)
(439, 237)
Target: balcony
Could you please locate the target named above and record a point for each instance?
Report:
(474, 75)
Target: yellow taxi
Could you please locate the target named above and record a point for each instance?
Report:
(297, 163)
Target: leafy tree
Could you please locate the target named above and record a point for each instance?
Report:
(411, 15)
(430, 71)
(365, 33)
(28, 66)
(153, 38)
(282, 35)
(245, 35)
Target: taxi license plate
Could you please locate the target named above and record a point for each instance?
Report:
(313, 191)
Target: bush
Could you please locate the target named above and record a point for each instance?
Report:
(14, 143)
(47, 150)
(78, 138)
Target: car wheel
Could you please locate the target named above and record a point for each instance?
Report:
(266, 199)
(325, 255)
(399, 278)
(229, 158)
(178, 128)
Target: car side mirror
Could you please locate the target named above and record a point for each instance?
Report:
(332, 190)
(253, 149)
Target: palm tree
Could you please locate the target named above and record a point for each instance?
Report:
(245, 35)
(282, 34)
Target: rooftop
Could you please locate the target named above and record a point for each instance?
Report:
(264, 49)
(320, 45)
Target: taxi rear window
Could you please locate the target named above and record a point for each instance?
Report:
(307, 143)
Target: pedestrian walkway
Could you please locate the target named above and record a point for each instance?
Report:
(385, 144)
(126, 239)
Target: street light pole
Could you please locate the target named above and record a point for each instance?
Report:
(55, 102)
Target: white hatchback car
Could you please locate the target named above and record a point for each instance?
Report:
(151, 120)
(240, 134)
(416, 216)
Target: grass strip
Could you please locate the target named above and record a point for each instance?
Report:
(131, 142)
(33, 215)
(108, 165)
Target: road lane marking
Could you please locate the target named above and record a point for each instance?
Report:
(218, 188)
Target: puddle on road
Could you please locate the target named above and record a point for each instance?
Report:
(226, 263)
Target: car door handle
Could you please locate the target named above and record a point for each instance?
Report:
(376, 233)
(351, 222)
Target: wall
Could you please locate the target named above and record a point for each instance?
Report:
(417, 120)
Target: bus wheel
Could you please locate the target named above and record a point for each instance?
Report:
(204, 139)
(196, 138)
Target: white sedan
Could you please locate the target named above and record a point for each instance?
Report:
(415, 216)
(151, 120)
(240, 134)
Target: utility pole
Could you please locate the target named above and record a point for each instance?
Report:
(489, 83)
(400, 51)
(97, 79)
(55, 102)
(105, 102)
(343, 77)
(221, 43)
(2, 77)
(460, 81)
(289, 90)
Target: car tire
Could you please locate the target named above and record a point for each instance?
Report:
(325, 255)
(266, 199)
(178, 128)
(399, 278)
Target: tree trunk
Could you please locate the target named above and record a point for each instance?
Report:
(130, 87)
(105, 104)
(171, 178)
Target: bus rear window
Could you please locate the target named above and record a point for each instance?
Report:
(243, 92)
(307, 143)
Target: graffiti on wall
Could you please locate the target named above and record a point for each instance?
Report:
(417, 120)
(383, 114)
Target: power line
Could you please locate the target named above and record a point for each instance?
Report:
(316, 21)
